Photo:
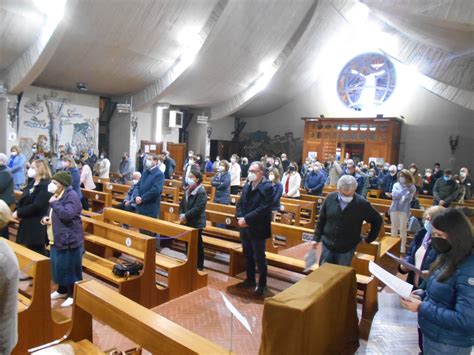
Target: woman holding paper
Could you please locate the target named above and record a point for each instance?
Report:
(421, 253)
(446, 308)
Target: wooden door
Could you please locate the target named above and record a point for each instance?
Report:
(177, 152)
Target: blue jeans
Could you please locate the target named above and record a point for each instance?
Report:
(431, 347)
(254, 251)
(328, 256)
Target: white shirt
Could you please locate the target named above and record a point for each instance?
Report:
(86, 177)
(104, 168)
(294, 184)
(234, 171)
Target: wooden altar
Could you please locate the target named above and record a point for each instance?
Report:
(355, 138)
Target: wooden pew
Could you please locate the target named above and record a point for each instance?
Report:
(102, 240)
(97, 200)
(174, 183)
(118, 191)
(183, 275)
(144, 327)
(169, 211)
(170, 194)
(309, 209)
(37, 322)
(99, 182)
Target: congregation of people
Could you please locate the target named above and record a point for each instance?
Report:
(51, 202)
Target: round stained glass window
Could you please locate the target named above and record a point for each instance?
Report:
(367, 81)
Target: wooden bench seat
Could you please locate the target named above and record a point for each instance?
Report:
(102, 240)
(183, 276)
(143, 327)
(37, 322)
(98, 200)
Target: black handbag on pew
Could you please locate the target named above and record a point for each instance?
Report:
(127, 269)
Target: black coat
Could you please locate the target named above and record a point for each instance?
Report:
(256, 207)
(193, 206)
(32, 206)
(339, 230)
(6, 185)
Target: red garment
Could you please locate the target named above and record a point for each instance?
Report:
(287, 183)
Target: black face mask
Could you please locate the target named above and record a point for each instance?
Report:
(291, 168)
(268, 165)
(442, 246)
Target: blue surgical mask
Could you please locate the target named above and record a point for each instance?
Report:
(402, 180)
(428, 226)
(447, 177)
(148, 163)
(190, 181)
(345, 199)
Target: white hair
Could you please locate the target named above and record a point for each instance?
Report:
(3, 159)
(5, 214)
(137, 173)
(347, 182)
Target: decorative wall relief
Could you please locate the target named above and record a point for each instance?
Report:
(56, 118)
(259, 143)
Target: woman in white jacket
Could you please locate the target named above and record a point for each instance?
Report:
(86, 175)
(235, 173)
(291, 181)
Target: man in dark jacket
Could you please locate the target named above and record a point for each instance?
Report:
(149, 188)
(170, 165)
(314, 181)
(6, 187)
(340, 222)
(465, 183)
(361, 178)
(388, 181)
(254, 214)
(445, 190)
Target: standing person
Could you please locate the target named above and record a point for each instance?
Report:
(186, 161)
(446, 307)
(221, 182)
(465, 183)
(86, 175)
(291, 181)
(417, 178)
(191, 164)
(274, 177)
(65, 235)
(216, 163)
(141, 159)
(6, 188)
(373, 179)
(125, 169)
(254, 214)
(192, 210)
(90, 159)
(362, 179)
(388, 181)
(70, 166)
(402, 194)
(32, 206)
(279, 166)
(284, 161)
(437, 172)
(9, 275)
(235, 173)
(245, 167)
(170, 165)
(335, 172)
(314, 180)
(102, 167)
(427, 183)
(149, 188)
(16, 164)
(340, 222)
(208, 167)
(445, 190)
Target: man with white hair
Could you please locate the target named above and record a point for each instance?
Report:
(6, 187)
(340, 223)
(129, 204)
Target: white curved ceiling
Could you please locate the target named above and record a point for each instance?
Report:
(123, 47)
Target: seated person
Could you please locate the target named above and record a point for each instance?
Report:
(445, 190)
(129, 204)
(427, 183)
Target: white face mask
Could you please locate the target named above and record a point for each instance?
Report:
(346, 199)
(221, 168)
(135, 182)
(52, 188)
(33, 150)
(402, 180)
(271, 177)
(190, 181)
(412, 170)
(31, 173)
(232, 160)
(462, 174)
(252, 177)
(428, 174)
(191, 161)
(102, 156)
(14, 153)
(148, 163)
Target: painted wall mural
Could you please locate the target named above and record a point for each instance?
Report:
(258, 143)
(58, 118)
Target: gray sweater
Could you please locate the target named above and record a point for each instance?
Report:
(8, 298)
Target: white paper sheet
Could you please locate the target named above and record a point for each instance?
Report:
(401, 287)
(236, 313)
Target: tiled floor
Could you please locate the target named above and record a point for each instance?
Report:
(204, 312)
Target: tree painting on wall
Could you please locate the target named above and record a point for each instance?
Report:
(258, 143)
